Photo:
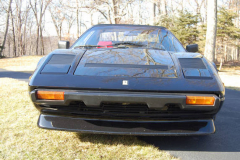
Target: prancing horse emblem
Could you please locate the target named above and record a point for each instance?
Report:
(125, 82)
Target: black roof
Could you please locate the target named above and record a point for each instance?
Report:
(160, 27)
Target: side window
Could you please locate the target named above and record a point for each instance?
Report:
(176, 45)
(169, 42)
(83, 40)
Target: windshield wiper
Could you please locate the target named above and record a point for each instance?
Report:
(157, 48)
(116, 44)
(88, 46)
(128, 43)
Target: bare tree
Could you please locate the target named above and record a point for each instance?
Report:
(205, 6)
(58, 17)
(77, 7)
(113, 11)
(165, 7)
(39, 7)
(153, 13)
(6, 27)
(21, 15)
(13, 34)
(77, 15)
(70, 19)
(211, 30)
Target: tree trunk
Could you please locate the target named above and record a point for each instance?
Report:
(37, 40)
(25, 34)
(139, 12)
(80, 24)
(6, 28)
(42, 44)
(182, 5)
(91, 19)
(9, 48)
(211, 30)
(19, 28)
(78, 35)
(237, 49)
(116, 18)
(31, 41)
(225, 52)
(159, 7)
(221, 62)
(165, 7)
(153, 13)
(206, 4)
(14, 39)
(109, 17)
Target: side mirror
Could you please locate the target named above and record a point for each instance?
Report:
(192, 47)
(63, 44)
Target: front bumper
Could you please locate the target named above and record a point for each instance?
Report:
(152, 100)
(94, 116)
(127, 127)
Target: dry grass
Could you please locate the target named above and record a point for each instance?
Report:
(20, 138)
(24, 63)
(229, 68)
(230, 76)
(234, 88)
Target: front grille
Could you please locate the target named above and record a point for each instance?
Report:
(123, 110)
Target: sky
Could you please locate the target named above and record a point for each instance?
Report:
(49, 29)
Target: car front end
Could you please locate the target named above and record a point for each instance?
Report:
(126, 88)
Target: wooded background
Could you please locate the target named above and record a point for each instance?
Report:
(24, 24)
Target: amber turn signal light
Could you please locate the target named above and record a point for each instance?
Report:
(200, 100)
(50, 95)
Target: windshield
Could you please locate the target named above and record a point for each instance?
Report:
(129, 36)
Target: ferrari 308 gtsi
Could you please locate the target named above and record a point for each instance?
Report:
(127, 79)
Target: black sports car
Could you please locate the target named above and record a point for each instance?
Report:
(127, 79)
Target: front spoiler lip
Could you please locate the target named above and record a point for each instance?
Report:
(127, 127)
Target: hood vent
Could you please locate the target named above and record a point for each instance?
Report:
(61, 59)
(58, 64)
(196, 63)
(194, 68)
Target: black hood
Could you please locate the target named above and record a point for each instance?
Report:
(143, 69)
(127, 63)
